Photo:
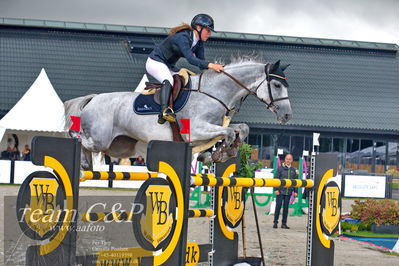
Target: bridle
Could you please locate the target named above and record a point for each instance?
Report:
(268, 78)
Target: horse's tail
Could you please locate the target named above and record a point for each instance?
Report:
(74, 107)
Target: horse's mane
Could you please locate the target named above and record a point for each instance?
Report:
(238, 61)
(244, 60)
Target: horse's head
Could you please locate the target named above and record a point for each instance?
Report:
(274, 92)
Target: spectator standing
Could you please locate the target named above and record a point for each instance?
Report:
(286, 171)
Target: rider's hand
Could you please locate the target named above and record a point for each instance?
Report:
(216, 67)
(277, 192)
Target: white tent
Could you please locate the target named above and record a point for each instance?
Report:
(39, 112)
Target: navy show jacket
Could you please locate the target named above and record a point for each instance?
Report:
(179, 45)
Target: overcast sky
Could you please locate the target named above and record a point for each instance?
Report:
(361, 20)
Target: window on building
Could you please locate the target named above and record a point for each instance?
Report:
(338, 145)
(308, 144)
(297, 146)
(338, 149)
(366, 155)
(393, 155)
(267, 152)
(325, 144)
(255, 140)
(380, 157)
(352, 154)
(283, 142)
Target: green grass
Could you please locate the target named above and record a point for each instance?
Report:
(395, 185)
(370, 234)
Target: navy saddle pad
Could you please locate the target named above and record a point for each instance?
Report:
(145, 104)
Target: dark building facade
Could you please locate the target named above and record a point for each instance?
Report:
(346, 90)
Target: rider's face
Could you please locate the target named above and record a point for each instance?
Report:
(205, 33)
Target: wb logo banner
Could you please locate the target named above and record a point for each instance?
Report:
(233, 200)
(42, 213)
(331, 208)
(40, 205)
(156, 223)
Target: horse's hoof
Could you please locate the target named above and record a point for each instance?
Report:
(232, 152)
(205, 158)
(217, 156)
(200, 158)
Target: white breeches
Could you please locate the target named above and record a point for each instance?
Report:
(159, 70)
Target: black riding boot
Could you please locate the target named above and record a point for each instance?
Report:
(166, 112)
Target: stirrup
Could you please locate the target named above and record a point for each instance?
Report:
(169, 115)
(161, 120)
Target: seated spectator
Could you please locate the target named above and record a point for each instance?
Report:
(26, 153)
(10, 154)
(139, 161)
(14, 154)
(4, 155)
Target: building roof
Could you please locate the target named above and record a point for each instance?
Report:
(334, 84)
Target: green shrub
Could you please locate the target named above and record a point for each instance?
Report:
(354, 227)
(376, 211)
(247, 169)
(364, 227)
(346, 226)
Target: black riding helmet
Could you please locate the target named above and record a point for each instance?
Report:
(203, 20)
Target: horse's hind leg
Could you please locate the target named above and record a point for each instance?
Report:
(86, 160)
(241, 129)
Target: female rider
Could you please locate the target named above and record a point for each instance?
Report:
(183, 41)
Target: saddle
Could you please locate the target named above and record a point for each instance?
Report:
(180, 81)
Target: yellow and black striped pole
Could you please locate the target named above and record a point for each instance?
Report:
(196, 213)
(102, 175)
(213, 181)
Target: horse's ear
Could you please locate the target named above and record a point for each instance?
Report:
(276, 65)
(284, 67)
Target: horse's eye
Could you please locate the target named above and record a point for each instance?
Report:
(277, 85)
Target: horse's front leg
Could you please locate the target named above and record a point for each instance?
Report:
(229, 149)
(205, 132)
(241, 129)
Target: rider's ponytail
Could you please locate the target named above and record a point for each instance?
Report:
(183, 26)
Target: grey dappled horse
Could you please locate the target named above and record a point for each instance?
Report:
(109, 124)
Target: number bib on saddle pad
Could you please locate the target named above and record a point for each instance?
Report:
(145, 104)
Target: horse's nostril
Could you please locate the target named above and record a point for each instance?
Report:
(287, 116)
